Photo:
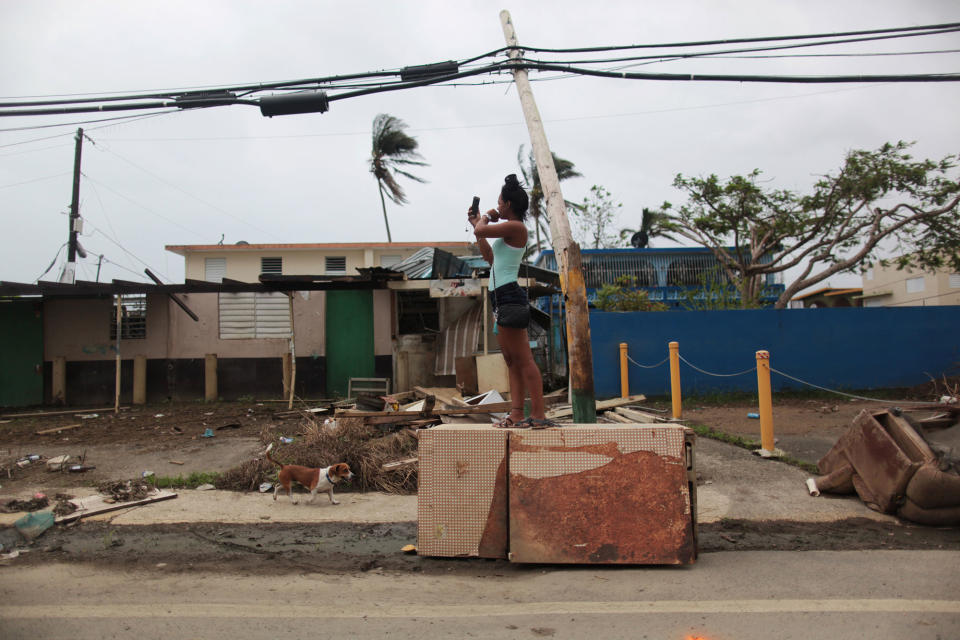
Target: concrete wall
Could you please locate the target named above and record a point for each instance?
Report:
(886, 286)
(833, 348)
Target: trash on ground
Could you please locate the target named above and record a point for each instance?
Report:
(408, 549)
(755, 416)
(206, 487)
(32, 525)
(87, 416)
(285, 440)
(232, 425)
(58, 429)
(207, 434)
(80, 468)
(266, 486)
(57, 463)
(33, 504)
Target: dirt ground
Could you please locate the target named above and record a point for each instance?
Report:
(168, 440)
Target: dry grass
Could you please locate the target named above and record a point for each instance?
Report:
(316, 444)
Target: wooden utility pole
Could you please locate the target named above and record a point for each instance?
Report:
(580, 364)
(70, 269)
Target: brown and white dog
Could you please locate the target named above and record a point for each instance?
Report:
(313, 479)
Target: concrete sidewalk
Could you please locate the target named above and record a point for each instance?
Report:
(735, 484)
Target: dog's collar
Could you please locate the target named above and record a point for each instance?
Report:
(329, 479)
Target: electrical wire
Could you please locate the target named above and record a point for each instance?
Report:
(17, 184)
(217, 96)
(143, 206)
(52, 262)
(185, 192)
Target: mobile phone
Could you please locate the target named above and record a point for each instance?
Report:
(475, 207)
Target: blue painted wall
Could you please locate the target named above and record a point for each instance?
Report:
(855, 348)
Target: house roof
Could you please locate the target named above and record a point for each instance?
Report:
(830, 291)
(374, 279)
(184, 249)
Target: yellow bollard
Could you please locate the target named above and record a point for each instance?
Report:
(624, 374)
(675, 380)
(766, 401)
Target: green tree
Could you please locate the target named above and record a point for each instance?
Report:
(538, 205)
(624, 295)
(877, 199)
(596, 217)
(653, 224)
(392, 151)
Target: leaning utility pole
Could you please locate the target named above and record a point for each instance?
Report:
(70, 269)
(580, 364)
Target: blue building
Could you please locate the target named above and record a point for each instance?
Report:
(666, 274)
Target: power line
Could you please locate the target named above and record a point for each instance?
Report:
(17, 184)
(222, 96)
(184, 191)
(142, 206)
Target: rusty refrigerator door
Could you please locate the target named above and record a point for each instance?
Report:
(462, 493)
(598, 494)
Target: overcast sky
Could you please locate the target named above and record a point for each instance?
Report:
(196, 176)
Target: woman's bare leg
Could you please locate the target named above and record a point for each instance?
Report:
(522, 366)
(517, 391)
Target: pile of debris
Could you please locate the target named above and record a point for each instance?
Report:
(124, 490)
(377, 434)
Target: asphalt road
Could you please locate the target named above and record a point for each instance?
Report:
(724, 596)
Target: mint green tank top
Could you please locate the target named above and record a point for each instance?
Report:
(506, 263)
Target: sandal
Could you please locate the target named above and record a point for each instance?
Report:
(506, 423)
(535, 423)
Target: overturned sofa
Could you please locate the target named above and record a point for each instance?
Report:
(895, 467)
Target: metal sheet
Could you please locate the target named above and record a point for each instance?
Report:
(598, 494)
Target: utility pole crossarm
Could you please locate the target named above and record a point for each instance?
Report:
(567, 251)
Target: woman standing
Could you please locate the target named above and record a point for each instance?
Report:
(511, 308)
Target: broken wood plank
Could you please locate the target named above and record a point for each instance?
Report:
(602, 405)
(443, 394)
(39, 414)
(616, 417)
(387, 466)
(58, 429)
(493, 407)
(638, 416)
(94, 505)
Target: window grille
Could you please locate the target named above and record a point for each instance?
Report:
(271, 265)
(133, 317)
(915, 285)
(336, 264)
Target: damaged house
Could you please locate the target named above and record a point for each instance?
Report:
(263, 316)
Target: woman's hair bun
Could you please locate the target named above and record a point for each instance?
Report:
(511, 180)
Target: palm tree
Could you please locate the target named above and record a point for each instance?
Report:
(392, 149)
(537, 209)
(652, 224)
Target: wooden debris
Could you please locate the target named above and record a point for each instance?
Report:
(176, 462)
(565, 411)
(58, 429)
(443, 394)
(98, 504)
(39, 414)
(387, 466)
(639, 416)
(616, 417)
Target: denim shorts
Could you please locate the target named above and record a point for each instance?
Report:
(511, 308)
